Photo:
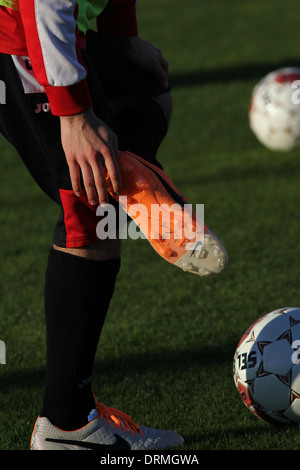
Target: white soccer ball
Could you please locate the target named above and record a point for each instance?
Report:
(274, 111)
(266, 367)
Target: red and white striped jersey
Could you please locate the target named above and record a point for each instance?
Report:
(47, 33)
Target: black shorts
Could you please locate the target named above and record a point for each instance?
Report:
(27, 123)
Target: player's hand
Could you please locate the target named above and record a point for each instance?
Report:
(145, 56)
(91, 149)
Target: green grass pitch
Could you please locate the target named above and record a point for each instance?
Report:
(165, 355)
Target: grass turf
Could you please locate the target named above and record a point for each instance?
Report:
(165, 355)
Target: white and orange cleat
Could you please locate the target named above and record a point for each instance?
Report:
(173, 229)
(108, 430)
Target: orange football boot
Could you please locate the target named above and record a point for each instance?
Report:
(173, 229)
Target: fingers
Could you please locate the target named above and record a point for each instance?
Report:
(75, 176)
(102, 164)
(93, 172)
(91, 150)
(113, 169)
(103, 143)
(93, 184)
(97, 194)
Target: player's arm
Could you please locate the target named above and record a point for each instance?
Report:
(118, 22)
(91, 149)
(90, 146)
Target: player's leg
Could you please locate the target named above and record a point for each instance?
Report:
(79, 283)
(77, 294)
(141, 108)
(142, 111)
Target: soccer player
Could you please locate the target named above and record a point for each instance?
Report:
(74, 99)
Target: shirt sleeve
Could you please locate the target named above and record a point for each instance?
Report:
(118, 19)
(54, 43)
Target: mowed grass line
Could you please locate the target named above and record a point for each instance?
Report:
(165, 355)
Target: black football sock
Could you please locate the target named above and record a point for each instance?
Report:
(77, 297)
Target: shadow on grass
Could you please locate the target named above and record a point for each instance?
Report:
(248, 436)
(129, 365)
(239, 72)
(271, 165)
(253, 436)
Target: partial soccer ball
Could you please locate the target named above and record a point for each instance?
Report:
(266, 367)
(274, 111)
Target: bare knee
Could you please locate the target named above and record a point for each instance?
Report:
(100, 250)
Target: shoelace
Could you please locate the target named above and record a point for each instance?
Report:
(118, 418)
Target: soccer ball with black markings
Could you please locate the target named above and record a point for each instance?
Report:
(266, 367)
(274, 111)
